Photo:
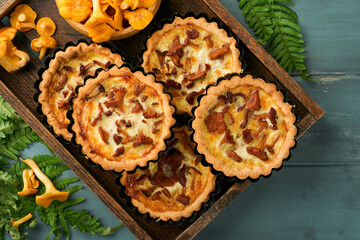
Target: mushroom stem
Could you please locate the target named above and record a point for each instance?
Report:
(41, 176)
(25, 25)
(22, 17)
(22, 220)
(42, 53)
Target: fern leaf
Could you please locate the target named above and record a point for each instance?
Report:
(3, 161)
(6, 178)
(69, 203)
(6, 127)
(63, 183)
(53, 171)
(64, 225)
(4, 151)
(46, 160)
(258, 16)
(6, 111)
(276, 27)
(20, 139)
(74, 189)
(85, 222)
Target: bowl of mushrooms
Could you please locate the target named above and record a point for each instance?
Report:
(105, 20)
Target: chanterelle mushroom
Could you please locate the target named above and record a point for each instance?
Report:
(51, 193)
(45, 27)
(97, 16)
(77, 10)
(11, 58)
(30, 184)
(22, 220)
(42, 44)
(23, 18)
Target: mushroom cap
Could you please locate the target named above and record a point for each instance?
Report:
(27, 192)
(139, 18)
(47, 198)
(23, 9)
(77, 10)
(101, 33)
(45, 27)
(133, 4)
(3, 47)
(43, 42)
(7, 34)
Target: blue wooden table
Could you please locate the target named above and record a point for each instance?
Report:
(317, 193)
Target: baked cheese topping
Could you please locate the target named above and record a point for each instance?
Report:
(189, 57)
(121, 118)
(69, 75)
(245, 127)
(173, 183)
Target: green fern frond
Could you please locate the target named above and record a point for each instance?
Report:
(69, 203)
(276, 27)
(6, 178)
(3, 162)
(45, 160)
(17, 141)
(53, 171)
(64, 182)
(85, 222)
(6, 111)
(73, 189)
(4, 151)
(8, 127)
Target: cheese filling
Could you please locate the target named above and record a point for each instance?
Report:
(187, 71)
(174, 182)
(244, 128)
(120, 120)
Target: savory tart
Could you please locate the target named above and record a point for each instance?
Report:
(244, 128)
(65, 72)
(188, 55)
(121, 119)
(175, 186)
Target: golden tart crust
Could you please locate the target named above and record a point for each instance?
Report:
(121, 119)
(188, 55)
(65, 72)
(175, 186)
(244, 128)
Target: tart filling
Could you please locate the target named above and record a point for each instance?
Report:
(122, 118)
(244, 128)
(66, 71)
(175, 186)
(188, 55)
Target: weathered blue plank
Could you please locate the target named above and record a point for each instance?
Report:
(335, 138)
(296, 203)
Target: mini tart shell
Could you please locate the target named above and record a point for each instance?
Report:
(190, 209)
(212, 95)
(160, 144)
(48, 75)
(212, 27)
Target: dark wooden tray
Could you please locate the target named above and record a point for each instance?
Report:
(18, 90)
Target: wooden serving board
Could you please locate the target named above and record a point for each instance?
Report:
(18, 90)
(6, 6)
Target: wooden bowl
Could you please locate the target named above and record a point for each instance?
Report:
(127, 32)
